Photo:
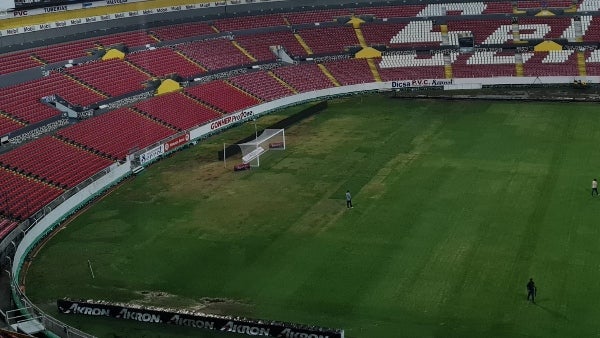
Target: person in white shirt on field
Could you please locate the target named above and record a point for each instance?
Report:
(348, 200)
(594, 187)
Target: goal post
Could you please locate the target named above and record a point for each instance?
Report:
(269, 139)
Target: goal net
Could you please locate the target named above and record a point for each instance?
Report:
(269, 139)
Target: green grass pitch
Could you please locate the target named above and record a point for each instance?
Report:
(456, 205)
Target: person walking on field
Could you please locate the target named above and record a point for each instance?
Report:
(531, 290)
(348, 200)
(594, 187)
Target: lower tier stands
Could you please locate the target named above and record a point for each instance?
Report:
(304, 77)
(214, 54)
(164, 61)
(592, 63)
(66, 51)
(6, 226)
(557, 63)
(113, 77)
(484, 64)
(223, 96)
(327, 40)
(24, 101)
(178, 110)
(22, 196)
(350, 71)
(261, 84)
(54, 161)
(116, 133)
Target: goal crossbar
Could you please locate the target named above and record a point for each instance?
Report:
(269, 139)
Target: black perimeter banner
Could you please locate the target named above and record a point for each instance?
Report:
(249, 327)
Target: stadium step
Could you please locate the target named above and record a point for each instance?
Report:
(374, 70)
(215, 29)
(445, 37)
(12, 118)
(153, 37)
(244, 51)
(581, 64)
(38, 59)
(519, 69)
(303, 44)
(132, 65)
(448, 71)
(360, 37)
(191, 97)
(283, 83)
(328, 74)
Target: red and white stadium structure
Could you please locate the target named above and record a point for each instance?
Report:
(115, 92)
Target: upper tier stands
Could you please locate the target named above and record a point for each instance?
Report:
(214, 54)
(21, 196)
(178, 110)
(406, 11)
(327, 40)
(131, 39)
(54, 161)
(488, 32)
(328, 15)
(261, 84)
(249, 22)
(113, 77)
(544, 4)
(17, 61)
(258, 44)
(116, 133)
(223, 96)
(164, 61)
(169, 33)
(24, 101)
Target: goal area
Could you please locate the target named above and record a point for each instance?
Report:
(269, 139)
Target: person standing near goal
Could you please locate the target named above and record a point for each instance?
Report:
(348, 200)
(594, 187)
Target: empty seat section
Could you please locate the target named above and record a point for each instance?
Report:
(327, 40)
(350, 71)
(214, 54)
(592, 34)
(484, 64)
(418, 34)
(21, 196)
(67, 51)
(401, 11)
(262, 85)
(304, 77)
(114, 77)
(54, 161)
(178, 110)
(249, 22)
(328, 15)
(164, 61)
(258, 44)
(15, 62)
(542, 28)
(592, 62)
(223, 96)
(498, 8)
(168, 33)
(544, 4)
(413, 66)
(24, 101)
(117, 133)
(381, 33)
(484, 31)
(130, 39)
(554, 63)
(8, 125)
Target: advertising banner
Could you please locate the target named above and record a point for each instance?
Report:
(152, 154)
(201, 321)
(221, 123)
(176, 142)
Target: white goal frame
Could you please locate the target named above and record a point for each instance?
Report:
(269, 139)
